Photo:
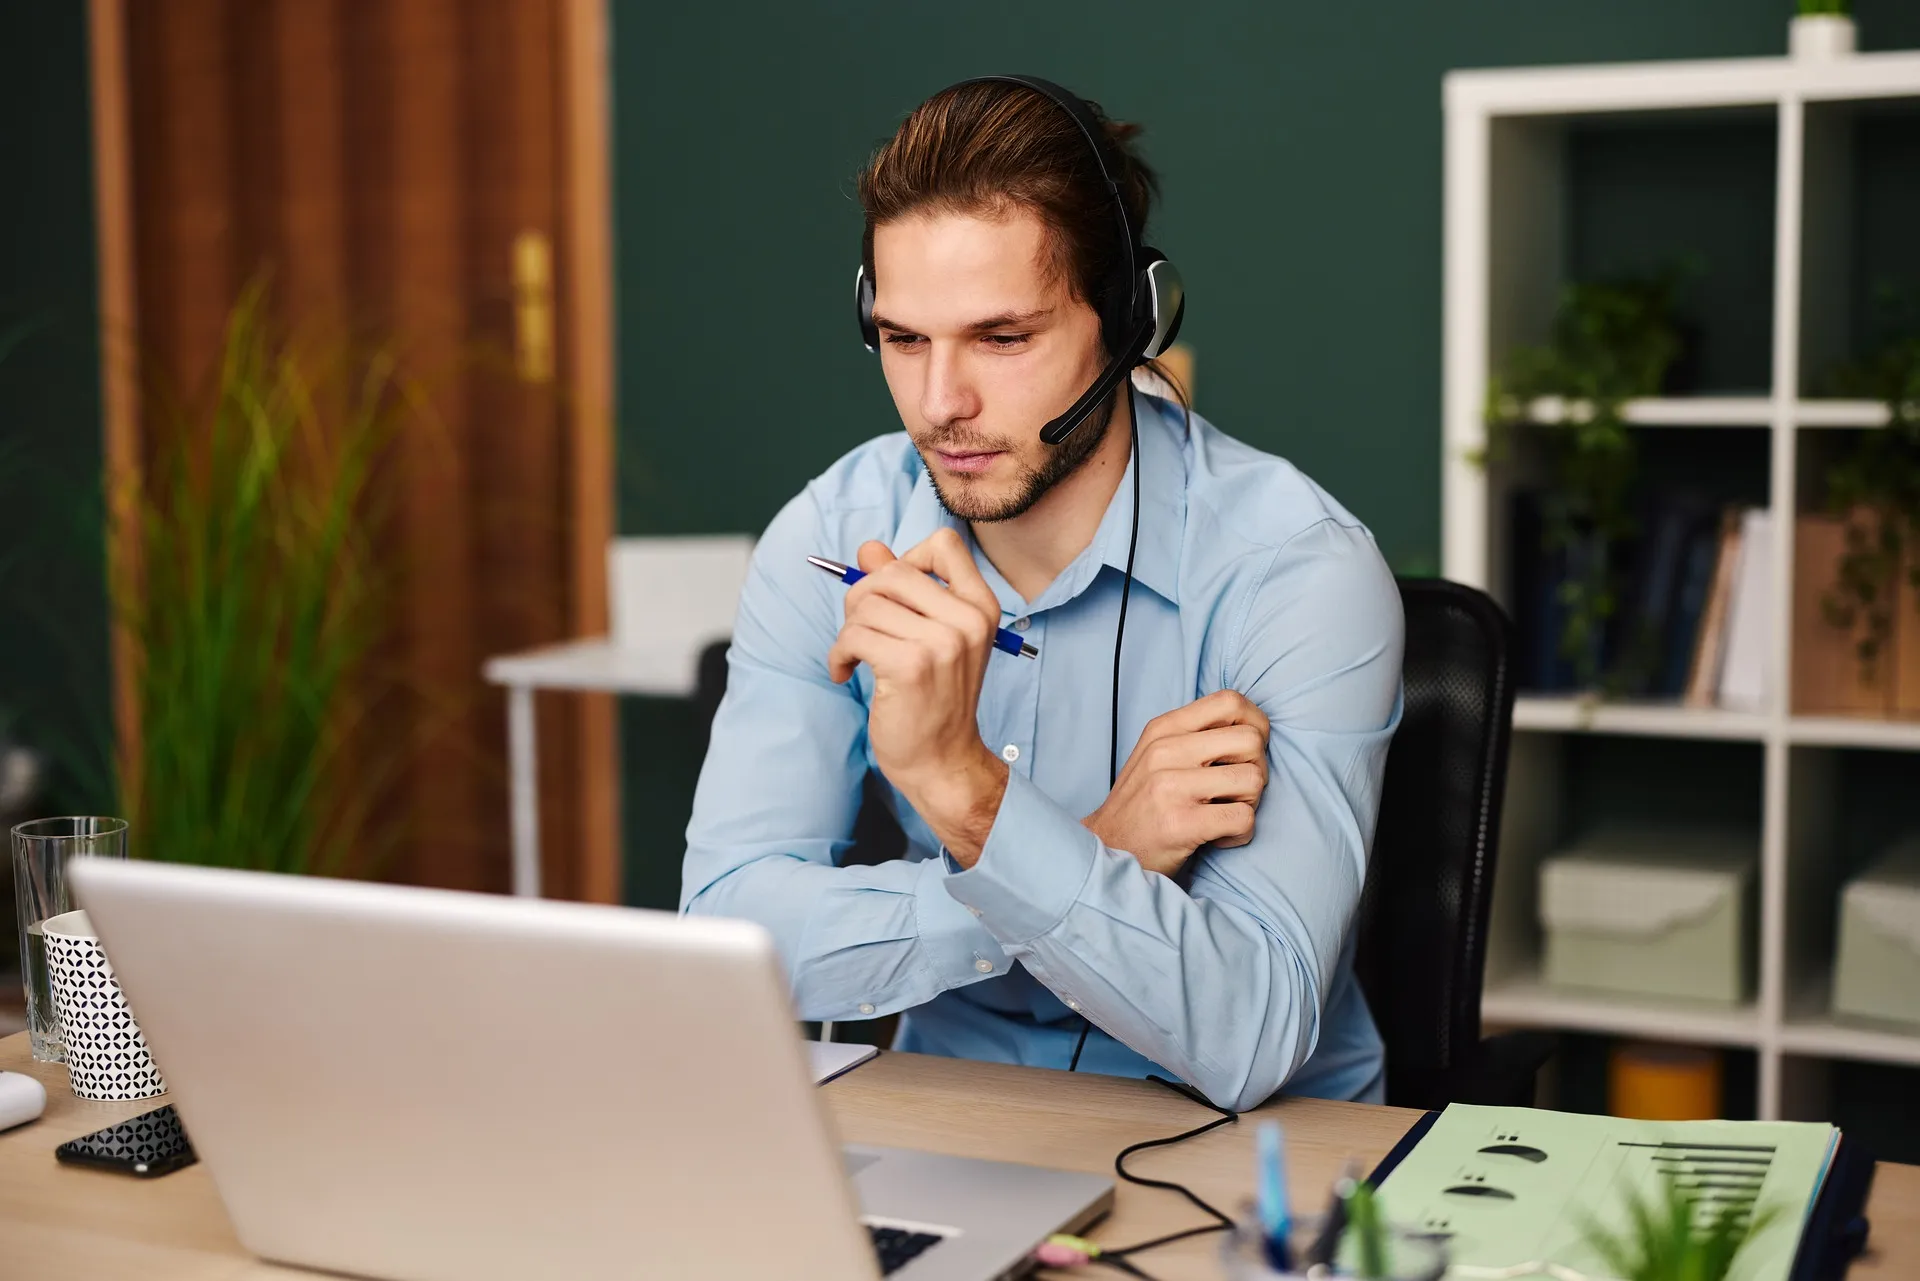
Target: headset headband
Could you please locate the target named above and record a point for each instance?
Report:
(1102, 148)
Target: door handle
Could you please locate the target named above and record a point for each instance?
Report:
(533, 307)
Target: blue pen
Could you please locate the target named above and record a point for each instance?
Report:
(1003, 640)
(1274, 1223)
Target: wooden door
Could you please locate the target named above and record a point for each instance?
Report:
(387, 164)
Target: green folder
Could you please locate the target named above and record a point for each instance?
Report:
(1516, 1185)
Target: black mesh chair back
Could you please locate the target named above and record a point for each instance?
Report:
(1423, 914)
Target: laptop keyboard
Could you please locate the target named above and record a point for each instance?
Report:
(898, 1247)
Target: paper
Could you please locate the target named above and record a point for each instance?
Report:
(1513, 1185)
(1746, 674)
(830, 1058)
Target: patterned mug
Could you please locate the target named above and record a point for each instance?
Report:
(107, 1056)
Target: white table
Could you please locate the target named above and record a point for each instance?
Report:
(596, 665)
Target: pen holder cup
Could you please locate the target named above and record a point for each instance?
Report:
(1411, 1256)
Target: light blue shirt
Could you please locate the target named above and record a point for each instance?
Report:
(1248, 577)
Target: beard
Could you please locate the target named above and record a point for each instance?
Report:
(1061, 461)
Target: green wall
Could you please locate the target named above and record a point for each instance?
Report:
(53, 653)
(1300, 145)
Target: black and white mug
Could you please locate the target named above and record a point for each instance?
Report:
(107, 1056)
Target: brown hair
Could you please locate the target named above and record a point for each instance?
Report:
(984, 147)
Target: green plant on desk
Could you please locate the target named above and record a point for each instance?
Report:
(248, 603)
(1672, 1237)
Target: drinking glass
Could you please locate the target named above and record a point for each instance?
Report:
(41, 849)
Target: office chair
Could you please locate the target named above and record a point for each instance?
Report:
(1423, 913)
(1422, 924)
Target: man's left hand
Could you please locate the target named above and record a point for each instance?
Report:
(928, 646)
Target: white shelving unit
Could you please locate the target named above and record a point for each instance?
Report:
(1506, 203)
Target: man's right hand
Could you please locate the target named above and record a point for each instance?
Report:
(1194, 778)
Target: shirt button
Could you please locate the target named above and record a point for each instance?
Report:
(1010, 753)
(983, 965)
(865, 1008)
(1021, 623)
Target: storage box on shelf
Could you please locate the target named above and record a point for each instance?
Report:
(1876, 969)
(1651, 912)
(1509, 203)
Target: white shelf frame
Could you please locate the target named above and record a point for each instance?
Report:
(1503, 188)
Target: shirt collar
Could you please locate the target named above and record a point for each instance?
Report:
(1163, 508)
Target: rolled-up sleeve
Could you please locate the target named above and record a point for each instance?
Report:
(1225, 983)
(776, 803)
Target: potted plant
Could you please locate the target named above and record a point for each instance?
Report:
(1876, 485)
(1669, 1236)
(251, 607)
(1609, 341)
(1822, 29)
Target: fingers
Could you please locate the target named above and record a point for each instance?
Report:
(859, 644)
(874, 555)
(1223, 826)
(1207, 747)
(890, 618)
(1179, 790)
(1226, 783)
(910, 588)
(945, 553)
(1220, 708)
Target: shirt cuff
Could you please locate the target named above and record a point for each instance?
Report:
(954, 940)
(1032, 868)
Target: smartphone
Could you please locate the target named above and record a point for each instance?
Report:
(146, 1146)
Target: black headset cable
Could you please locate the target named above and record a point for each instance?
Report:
(1119, 633)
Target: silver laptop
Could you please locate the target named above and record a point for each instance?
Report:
(421, 1084)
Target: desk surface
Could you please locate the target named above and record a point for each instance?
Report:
(89, 1223)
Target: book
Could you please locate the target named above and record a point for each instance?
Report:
(1650, 592)
(1703, 675)
(1537, 575)
(1698, 558)
(1746, 672)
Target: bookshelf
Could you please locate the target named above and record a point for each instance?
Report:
(1509, 203)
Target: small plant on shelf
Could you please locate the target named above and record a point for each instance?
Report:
(1669, 1236)
(1877, 485)
(1610, 340)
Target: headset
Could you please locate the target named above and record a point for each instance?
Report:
(1141, 306)
(1140, 313)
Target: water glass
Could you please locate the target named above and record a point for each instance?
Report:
(41, 849)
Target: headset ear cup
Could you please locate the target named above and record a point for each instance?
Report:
(863, 307)
(1165, 340)
(1164, 299)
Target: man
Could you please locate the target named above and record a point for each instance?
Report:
(1190, 916)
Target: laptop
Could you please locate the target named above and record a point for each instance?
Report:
(421, 1084)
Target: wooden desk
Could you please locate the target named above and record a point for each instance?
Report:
(87, 1223)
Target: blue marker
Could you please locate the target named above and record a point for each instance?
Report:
(1272, 1173)
(1003, 640)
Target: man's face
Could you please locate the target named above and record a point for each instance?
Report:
(982, 346)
